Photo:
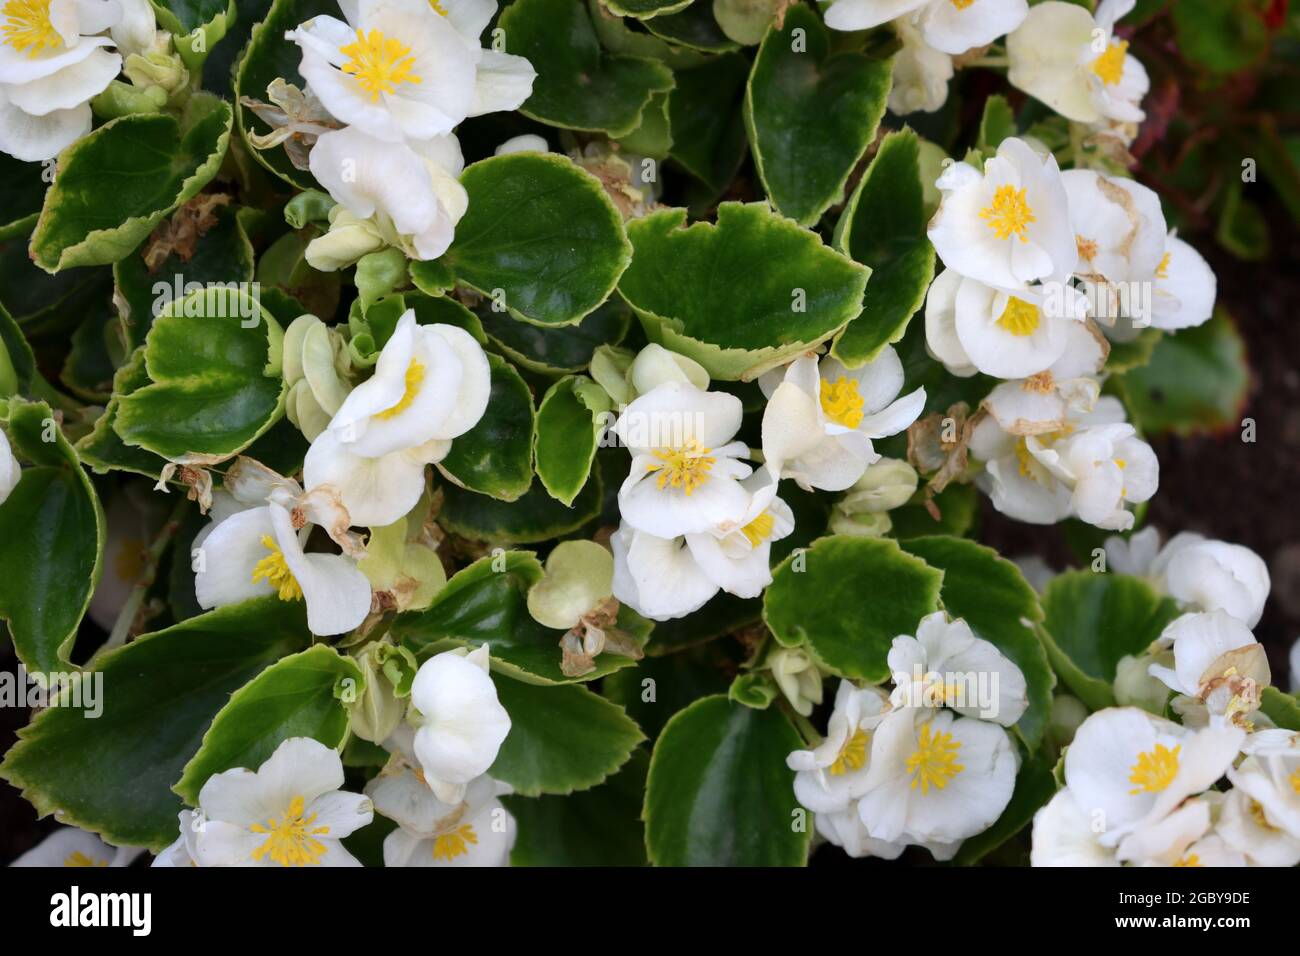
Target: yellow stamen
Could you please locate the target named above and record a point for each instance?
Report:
(760, 529)
(1162, 270)
(28, 27)
(935, 761)
(437, 8)
(686, 467)
(1110, 65)
(1042, 383)
(841, 401)
(276, 571)
(1190, 860)
(1257, 814)
(77, 858)
(1155, 770)
(414, 379)
(1009, 214)
(1087, 248)
(853, 755)
(1295, 782)
(291, 840)
(454, 843)
(379, 63)
(1020, 318)
(962, 4)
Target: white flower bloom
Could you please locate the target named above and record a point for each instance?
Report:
(182, 850)
(798, 677)
(10, 470)
(821, 419)
(685, 476)
(830, 777)
(69, 846)
(1128, 769)
(1244, 827)
(953, 27)
(1009, 225)
(845, 830)
(1216, 660)
(52, 62)
(654, 365)
(1063, 835)
(1063, 56)
(1217, 576)
(1047, 401)
(946, 665)
(1183, 838)
(137, 30)
(1270, 775)
(524, 143)
(934, 777)
(288, 812)
(1133, 555)
(430, 385)
(920, 73)
(461, 723)
(1184, 287)
(408, 194)
(257, 552)
(1109, 467)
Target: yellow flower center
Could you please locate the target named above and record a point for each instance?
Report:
(853, 755)
(447, 846)
(962, 4)
(1295, 782)
(759, 530)
(1009, 214)
(1025, 458)
(28, 27)
(935, 761)
(1155, 770)
(414, 379)
(1191, 859)
(686, 467)
(379, 63)
(841, 401)
(275, 570)
(1162, 270)
(437, 8)
(1020, 318)
(291, 840)
(1257, 814)
(77, 858)
(1087, 248)
(1109, 67)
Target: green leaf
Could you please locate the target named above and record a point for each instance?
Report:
(17, 363)
(705, 117)
(652, 137)
(103, 449)
(1196, 381)
(297, 696)
(993, 597)
(537, 516)
(659, 687)
(213, 361)
(722, 614)
(561, 739)
(495, 456)
(113, 773)
(997, 123)
(1095, 619)
(596, 827)
(958, 506)
(1221, 36)
(579, 86)
(1282, 708)
(555, 350)
(883, 227)
(1125, 356)
(540, 237)
(646, 9)
(847, 599)
(197, 26)
(117, 183)
(570, 421)
(693, 27)
(1035, 785)
(811, 114)
(52, 532)
(740, 296)
(719, 792)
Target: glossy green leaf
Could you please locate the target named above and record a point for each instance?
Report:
(1282, 708)
(1221, 36)
(549, 350)
(102, 448)
(570, 421)
(659, 687)
(495, 456)
(196, 25)
(694, 27)
(705, 118)
(537, 516)
(646, 9)
(17, 363)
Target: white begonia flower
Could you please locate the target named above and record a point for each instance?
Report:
(1133, 555)
(408, 195)
(1216, 660)
(654, 365)
(920, 73)
(182, 850)
(845, 830)
(431, 384)
(1067, 59)
(69, 846)
(1129, 769)
(52, 63)
(1009, 225)
(1184, 288)
(831, 776)
(288, 812)
(1110, 467)
(477, 831)
(1019, 485)
(1046, 402)
(953, 26)
(798, 677)
(461, 723)
(315, 363)
(946, 665)
(1243, 826)
(524, 143)
(1182, 839)
(934, 777)
(685, 476)
(1063, 835)
(137, 30)
(257, 552)
(1270, 775)
(821, 418)
(1217, 576)
(10, 470)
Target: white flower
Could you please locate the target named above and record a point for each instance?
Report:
(831, 776)
(69, 846)
(1217, 576)
(257, 552)
(821, 419)
(182, 850)
(1244, 826)
(1183, 838)
(408, 194)
(934, 777)
(502, 81)
(1008, 226)
(798, 677)
(430, 385)
(1109, 467)
(52, 62)
(10, 470)
(137, 30)
(1048, 400)
(1007, 333)
(288, 812)
(1128, 769)
(685, 477)
(845, 830)
(1270, 775)
(946, 25)
(1216, 660)
(461, 723)
(946, 665)
(524, 143)
(920, 73)
(1063, 835)
(1183, 289)
(1071, 62)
